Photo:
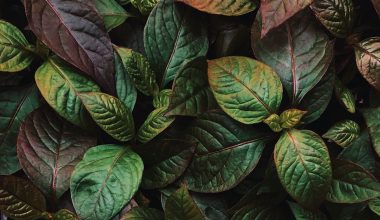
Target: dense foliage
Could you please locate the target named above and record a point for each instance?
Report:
(189, 109)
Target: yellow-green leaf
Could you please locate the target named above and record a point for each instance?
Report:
(291, 118)
(343, 133)
(345, 96)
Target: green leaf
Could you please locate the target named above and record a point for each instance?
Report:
(64, 214)
(16, 53)
(367, 55)
(299, 51)
(303, 165)
(336, 15)
(155, 123)
(301, 213)
(222, 7)
(125, 88)
(226, 153)
(173, 33)
(372, 118)
(162, 99)
(113, 14)
(374, 205)
(165, 160)
(259, 210)
(274, 122)
(343, 133)
(144, 6)
(345, 97)
(352, 184)
(104, 181)
(247, 90)
(48, 149)
(15, 104)
(180, 206)
(60, 85)
(19, 199)
(191, 92)
(142, 213)
(291, 118)
(110, 114)
(138, 68)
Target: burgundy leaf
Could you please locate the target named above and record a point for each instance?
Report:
(75, 31)
(49, 148)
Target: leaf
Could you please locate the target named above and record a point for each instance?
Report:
(144, 6)
(259, 210)
(142, 213)
(64, 214)
(291, 117)
(374, 205)
(165, 160)
(301, 213)
(110, 114)
(19, 199)
(336, 15)
(343, 133)
(125, 88)
(222, 7)
(226, 153)
(367, 55)
(162, 99)
(173, 33)
(303, 165)
(345, 97)
(299, 51)
(16, 53)
(139, 70)
(191, 93)
(104, 181)
(181, 206)
(376, 5)
(372, 118)
(276, 12)
(60, 85)
(274, 122)
(247, 90)
(49, 148)
(352, 184)
(67, 27)
(155, 123)
(15, 104)
(113, 14)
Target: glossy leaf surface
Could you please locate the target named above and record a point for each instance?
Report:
(343, 133)
(222, 7)
(291, 117)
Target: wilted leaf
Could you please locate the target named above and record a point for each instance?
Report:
(247, 90)
(291, 117)
(303, 165)
(113, 14)
(15, 104)
(301, 213)
(74, 31)
(372, 118)
(173, 33)
(222, 7)
(142, 213)
(345, 96)
(343, 133)
(104, 181)
(49, 148)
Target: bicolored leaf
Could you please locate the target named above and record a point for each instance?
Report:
(226, 153)
(144, 6)
(110, 114)
(291, 117)
(156, 122)
(162, 99)
(352, 184)
(372, 118)
(276, 12)
(247, 90)
(173, 33)
(77, 34)
(48, 149)
(345, 96)
(142, 213)
(299, 51)
(181, 206)
(303, 165)
(274, 122)
(60, 85)
(113, 14)
(104, 181)
(367, 55)
(15, 104)
(20, 199)
(191, 92)
(15, 52)
(343, 133)
(301, 213)
(222, 7)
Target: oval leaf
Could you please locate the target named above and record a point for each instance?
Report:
(372, 118)
(222, 7)
(345, 97)
(343, 133)
(352, 184)
(247, 90)
(173, 33)
(67, 27)
(104, 181)
(299, 51)
(303, 165)
(142, 213)
(49, 148)
(16, 53)
(110, 114)
(113, 14)
(291, 117)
